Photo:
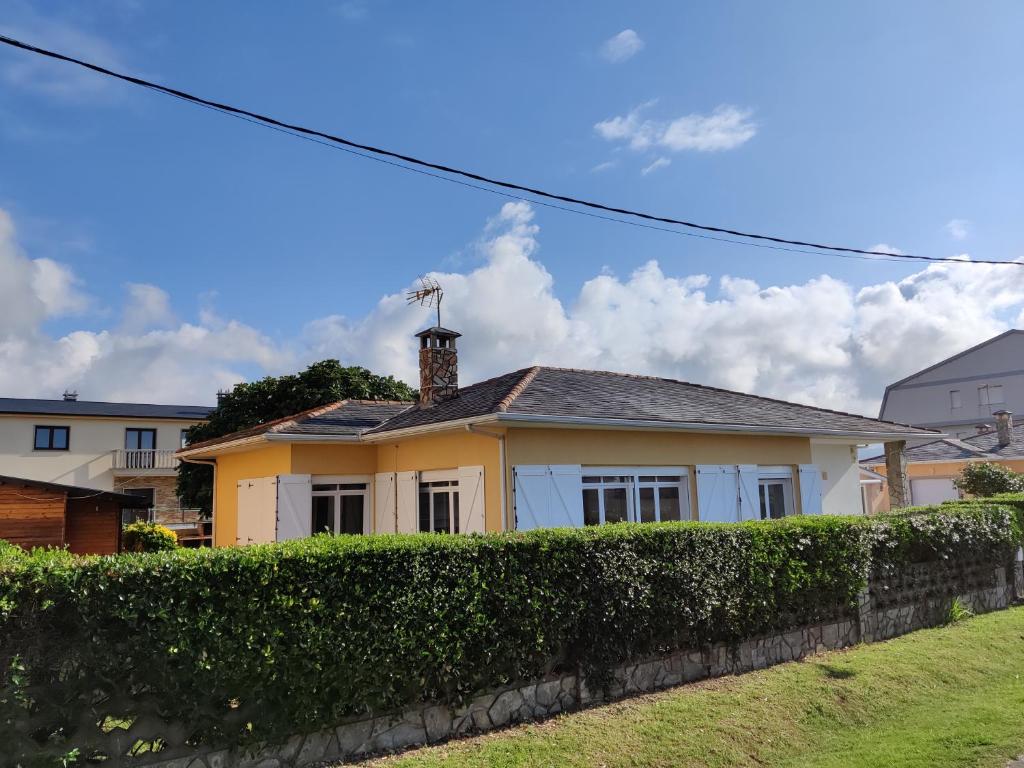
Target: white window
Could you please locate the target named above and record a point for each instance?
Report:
(955, 400)
(340, 505)
(643, 495)
(775, 492)
(990, 394)
(438, 505)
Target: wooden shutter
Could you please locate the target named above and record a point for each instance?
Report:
(294, 507)
(257, 511)
(471, 500)
(750, 493)
(532, 489)
(716, 493)
(384, 502)
(407, 498)
(810, 489)
(566, 495)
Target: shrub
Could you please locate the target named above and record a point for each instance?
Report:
(141, 536)
(252, 644)
(986, 479)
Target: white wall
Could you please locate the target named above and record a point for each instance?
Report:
(840, 477)
(89, 458)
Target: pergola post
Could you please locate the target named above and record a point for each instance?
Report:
(896, 474)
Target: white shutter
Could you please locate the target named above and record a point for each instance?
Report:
(810, 489)
(532, 489)
(566, 508)
(384, 502)
(294, 507)
(257, 510)
(716, 493)
(471, 500)
(407, 496)
(750, 493)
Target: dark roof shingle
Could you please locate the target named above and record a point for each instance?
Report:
(30, 406)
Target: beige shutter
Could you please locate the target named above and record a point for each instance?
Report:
(407, 496)
(384, 502)
(257, 510)
(471, 500)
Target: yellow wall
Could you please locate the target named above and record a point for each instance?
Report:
(450, 450)
(333, 459)
(625, 448)
(262, 461)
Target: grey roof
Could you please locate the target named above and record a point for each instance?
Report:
(75, 492)
(30, 406)
(345, 418)
(983, 446)
(565, 393)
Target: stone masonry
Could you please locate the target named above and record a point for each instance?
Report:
(918, 596)
(165, 497)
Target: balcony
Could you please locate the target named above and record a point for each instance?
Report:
(149, 460)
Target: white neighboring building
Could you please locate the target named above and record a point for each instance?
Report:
(960, 393)
(126, 447)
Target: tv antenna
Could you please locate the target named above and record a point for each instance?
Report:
(429, 294)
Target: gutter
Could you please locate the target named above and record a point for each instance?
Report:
(501, 461)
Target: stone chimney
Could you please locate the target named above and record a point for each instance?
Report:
(70, 396)
(439, 365)
(1004, 427)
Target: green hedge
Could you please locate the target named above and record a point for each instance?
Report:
(252, 644)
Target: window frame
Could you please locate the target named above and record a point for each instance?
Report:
(956, 400)
(140, 431)
(51, 430)
(633, 485)
(337, 492)
(438, 482)
(777, 475)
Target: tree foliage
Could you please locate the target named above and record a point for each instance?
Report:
(250, 404)
(988, 479)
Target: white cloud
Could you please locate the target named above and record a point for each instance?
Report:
(726, 127)
(958, 229)
(821, 341)
(58, 80)
(601, 167)
(661, 162)
(352, 10)
(886, 248)
(622, 46)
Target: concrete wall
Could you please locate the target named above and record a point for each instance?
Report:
(88, 461)
(840, 477)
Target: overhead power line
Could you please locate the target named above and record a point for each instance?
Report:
(410, 163)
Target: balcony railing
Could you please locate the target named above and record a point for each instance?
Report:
(145, 458)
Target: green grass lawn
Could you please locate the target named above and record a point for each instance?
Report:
(940, 698)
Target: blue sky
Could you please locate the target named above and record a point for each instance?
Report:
(860, 124)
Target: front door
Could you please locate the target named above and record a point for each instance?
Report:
(139, 446)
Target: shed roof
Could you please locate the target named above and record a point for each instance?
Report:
(76, 492)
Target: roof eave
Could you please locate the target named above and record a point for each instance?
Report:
(285, 437)
(203, 451)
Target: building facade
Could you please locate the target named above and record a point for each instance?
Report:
(960, 395)
(535, 448)
(122, 447)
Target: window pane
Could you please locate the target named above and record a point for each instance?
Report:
(764, 501)
(669, 503)
(324, 487)
(670, 478)
(352, 487)
(648, 479)
(591, 512)
(441, 510)
(147, 439)
(591, 479)
(42, 437)
(323, 514)
(424, 511)
(648, 514)
(615, 505)
(777, 493)
(455, 511)
(60, 438)
(351, 514)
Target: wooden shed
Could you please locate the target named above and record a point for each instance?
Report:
(85, 520)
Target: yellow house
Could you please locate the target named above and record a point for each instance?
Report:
(932, 467)
(537, 447)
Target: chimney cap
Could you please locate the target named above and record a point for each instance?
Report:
(437, 330)
(70, 396)
(1002, 413)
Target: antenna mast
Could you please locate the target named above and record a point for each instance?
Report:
(429, 294)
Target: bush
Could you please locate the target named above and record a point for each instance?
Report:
(252, 644)
(986, 479)
(141, 536)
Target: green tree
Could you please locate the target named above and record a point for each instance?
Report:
(988, 479)
(253, 403)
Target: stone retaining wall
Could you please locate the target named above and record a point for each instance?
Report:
(916, 597)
